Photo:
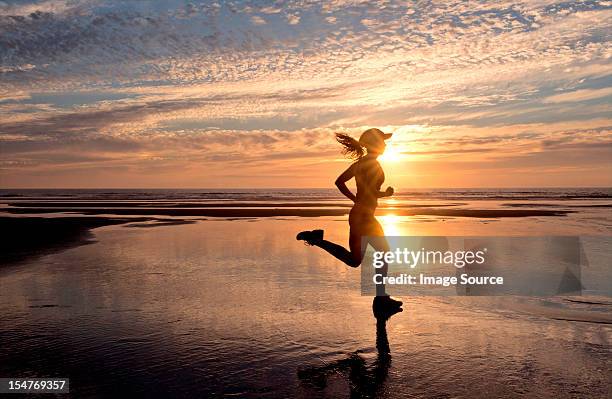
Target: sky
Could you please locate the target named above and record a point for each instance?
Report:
(189, 94)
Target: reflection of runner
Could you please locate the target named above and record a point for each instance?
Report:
(369, 177)
(365, 380)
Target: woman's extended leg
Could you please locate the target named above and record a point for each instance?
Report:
(351, 258)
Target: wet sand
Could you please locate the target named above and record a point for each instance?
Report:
(239, 308)
(27, 237)
(32, 236)
(206, 204)
(276, 212)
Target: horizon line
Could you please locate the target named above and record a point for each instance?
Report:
(292, 188)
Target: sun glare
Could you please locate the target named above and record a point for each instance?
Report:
(391, 224)
(391, 154)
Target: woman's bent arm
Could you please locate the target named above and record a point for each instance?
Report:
(341, 183)
(387, 193)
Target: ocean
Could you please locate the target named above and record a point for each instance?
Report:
(593, 193)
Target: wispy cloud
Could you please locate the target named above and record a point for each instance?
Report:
(579, 95)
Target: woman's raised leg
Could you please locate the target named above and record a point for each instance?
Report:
(350, 257)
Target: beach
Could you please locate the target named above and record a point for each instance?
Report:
(174, 294)
(306, 199)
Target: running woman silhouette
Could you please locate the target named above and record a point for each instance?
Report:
(364, 228)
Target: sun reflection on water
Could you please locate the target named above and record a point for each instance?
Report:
(391, 224)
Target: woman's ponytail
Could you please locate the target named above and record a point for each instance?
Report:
(352, 148)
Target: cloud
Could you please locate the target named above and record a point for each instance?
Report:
(293, 19)
(155, 44)
(450, 152)
(579, 95)
(257, 20)
(270, 10)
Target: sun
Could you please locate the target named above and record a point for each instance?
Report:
(391, 154)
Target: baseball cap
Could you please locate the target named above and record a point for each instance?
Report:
(372, 137)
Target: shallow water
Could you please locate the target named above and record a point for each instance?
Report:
(239, 308)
